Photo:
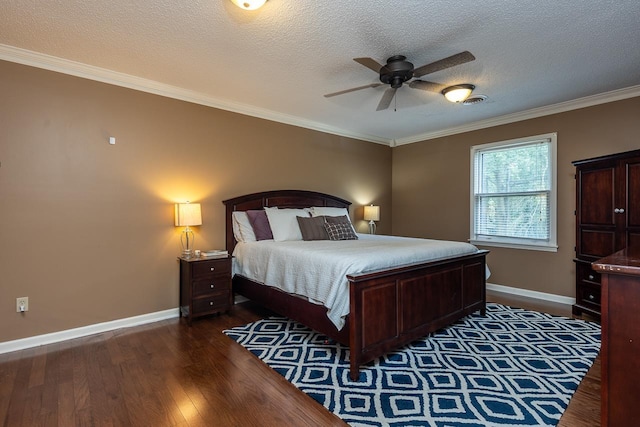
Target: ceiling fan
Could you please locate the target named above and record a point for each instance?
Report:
(398, 71)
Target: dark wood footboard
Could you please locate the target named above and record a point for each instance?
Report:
(391, 308)
(388, 308)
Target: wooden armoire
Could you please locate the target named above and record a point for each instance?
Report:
(607, 218)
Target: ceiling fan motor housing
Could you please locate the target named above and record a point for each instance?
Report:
(397, 71)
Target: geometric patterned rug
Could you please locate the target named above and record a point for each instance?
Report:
(512, 367)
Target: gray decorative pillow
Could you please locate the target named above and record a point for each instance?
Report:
(313, 228)
(340, 231)
(340, 220)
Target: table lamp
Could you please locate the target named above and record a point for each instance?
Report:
(372, 214)
(187, 215)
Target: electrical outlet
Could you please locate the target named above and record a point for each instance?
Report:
(22, 304)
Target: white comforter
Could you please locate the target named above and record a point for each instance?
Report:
(318, 269)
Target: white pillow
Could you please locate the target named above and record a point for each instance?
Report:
(242, 229)
(328, 211)
(284, 224)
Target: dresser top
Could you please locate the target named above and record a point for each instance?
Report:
(626, 261)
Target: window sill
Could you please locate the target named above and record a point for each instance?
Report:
(546, 248)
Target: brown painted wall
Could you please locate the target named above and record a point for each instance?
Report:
(86, 228)
(431, 187)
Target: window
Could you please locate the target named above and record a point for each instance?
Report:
(513, 193)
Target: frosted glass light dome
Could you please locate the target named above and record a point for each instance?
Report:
(458, 93)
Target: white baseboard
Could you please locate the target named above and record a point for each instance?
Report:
(69, 334)
(531, 294)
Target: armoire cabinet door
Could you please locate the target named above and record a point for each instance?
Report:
(631, 171)
(597, 217)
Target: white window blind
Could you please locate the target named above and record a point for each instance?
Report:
(513, 193)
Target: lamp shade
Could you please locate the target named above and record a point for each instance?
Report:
(458, 93)
(188, 214)
(249, 4)
(372, 213)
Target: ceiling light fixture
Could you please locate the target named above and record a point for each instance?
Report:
(249, 4)
(458, 93)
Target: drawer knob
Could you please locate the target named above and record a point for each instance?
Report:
(211, 286)
(210, 302)
(591, 297)
(212, 268)
(591, 277)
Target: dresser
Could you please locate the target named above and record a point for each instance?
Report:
(620, 351)
(607, 219)
(205, 286)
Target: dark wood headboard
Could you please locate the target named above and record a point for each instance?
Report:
(280, 198)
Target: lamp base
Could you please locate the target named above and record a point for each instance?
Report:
(186, 239)
(187, 253)
(372, 227)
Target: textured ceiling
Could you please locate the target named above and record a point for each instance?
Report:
(279, 61)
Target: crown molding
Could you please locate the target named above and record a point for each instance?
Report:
(65, 66)
(588, 101)
(77, 69)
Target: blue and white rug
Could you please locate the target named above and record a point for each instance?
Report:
(512, 367)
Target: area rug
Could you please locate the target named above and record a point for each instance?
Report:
(512, 367)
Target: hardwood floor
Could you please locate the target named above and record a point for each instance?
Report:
(169, 374)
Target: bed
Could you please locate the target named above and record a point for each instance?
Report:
(388, 307)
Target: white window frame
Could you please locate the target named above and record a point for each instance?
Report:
(550, 245)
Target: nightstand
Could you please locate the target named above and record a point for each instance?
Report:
(205, 286)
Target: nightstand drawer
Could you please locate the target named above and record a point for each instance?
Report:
(205, 286)
(214, 285)
(214, 267)
(211, 304)
(588, 295)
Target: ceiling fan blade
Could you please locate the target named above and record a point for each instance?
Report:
(329, 95)
(370, 63)
(428, 86)
(452, 61)
(387, 97)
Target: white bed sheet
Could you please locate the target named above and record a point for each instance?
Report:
(317, 270)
